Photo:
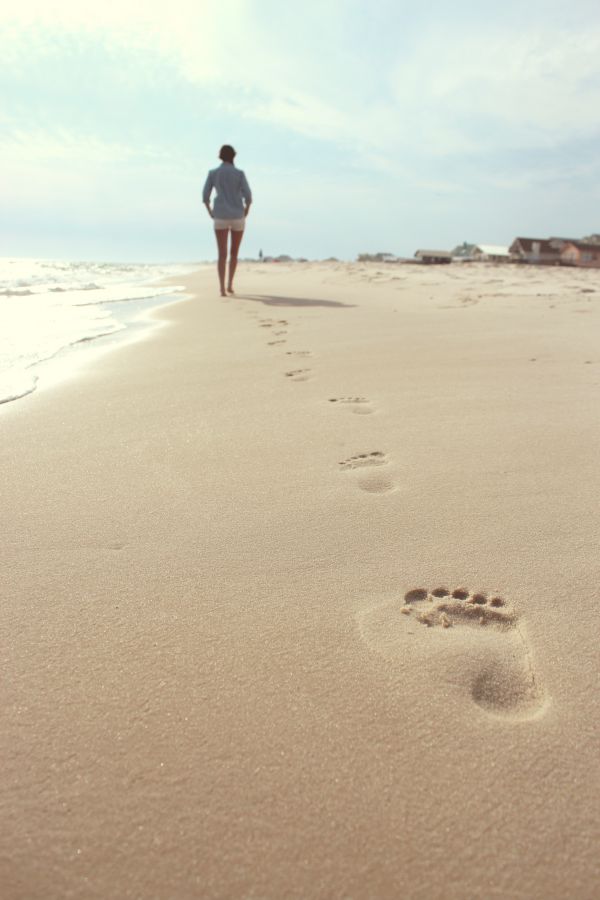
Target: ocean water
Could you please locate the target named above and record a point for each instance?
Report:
(47, 306)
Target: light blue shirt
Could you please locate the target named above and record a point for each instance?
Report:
(232, 190)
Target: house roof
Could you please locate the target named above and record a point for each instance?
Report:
(545, 246)
(493, 249)
(445, 253)
(582, 245)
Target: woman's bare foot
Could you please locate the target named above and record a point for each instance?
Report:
(230, 290)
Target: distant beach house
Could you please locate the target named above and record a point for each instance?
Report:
(463, 252)
(490, 253)
(536, 250)
(433, 256)
(377, 257)
(580, 253)
(556, 251)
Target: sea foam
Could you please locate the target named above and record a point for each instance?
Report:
(49, 305)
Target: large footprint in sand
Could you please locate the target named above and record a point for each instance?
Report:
(485, 642)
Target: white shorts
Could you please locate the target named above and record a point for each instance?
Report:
(233, 224)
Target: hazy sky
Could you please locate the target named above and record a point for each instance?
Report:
(362, 126)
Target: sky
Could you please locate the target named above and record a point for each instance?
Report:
(362, 126)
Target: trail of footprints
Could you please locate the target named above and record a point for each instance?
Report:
(361, 465)
(494, 655)
(279, 332)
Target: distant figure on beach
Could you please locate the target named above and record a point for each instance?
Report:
(232, 204)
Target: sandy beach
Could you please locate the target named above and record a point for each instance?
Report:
(300, 595)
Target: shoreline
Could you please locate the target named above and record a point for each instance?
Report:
(137, 322)
(297, 595)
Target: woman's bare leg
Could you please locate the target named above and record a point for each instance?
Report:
(221, 234)
(236, 240)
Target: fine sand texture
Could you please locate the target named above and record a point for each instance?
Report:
(300, 595)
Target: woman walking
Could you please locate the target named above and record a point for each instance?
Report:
(231, 206)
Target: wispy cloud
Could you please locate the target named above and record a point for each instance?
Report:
(532, 86)
(461, 86)
(69, 148)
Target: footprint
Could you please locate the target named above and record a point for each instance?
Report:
(298, 374)
(359, 405)
(274, 343)
(374, 482)
(298, 353)
(361, 460)
(488, 655)
(271, 323)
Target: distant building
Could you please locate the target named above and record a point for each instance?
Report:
(463, 251)
(490, 253)
(557, 251)
(580, 253)
(377, 257)
(433, 257)
(536, 250)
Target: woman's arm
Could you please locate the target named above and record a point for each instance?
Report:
(208, 186)
(246, 194)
